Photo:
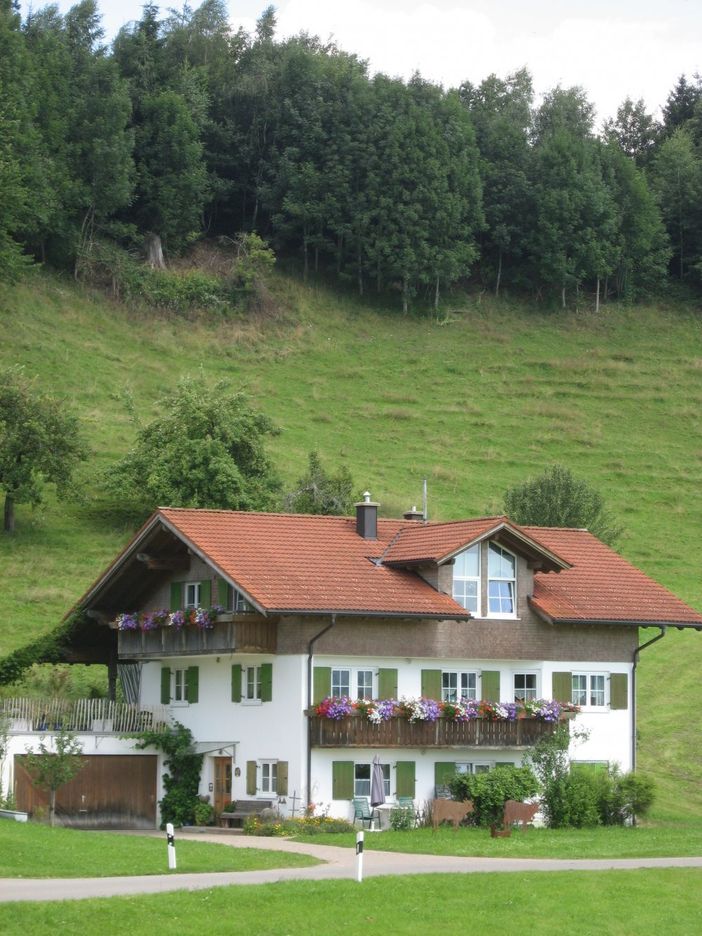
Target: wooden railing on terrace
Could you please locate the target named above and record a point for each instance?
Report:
(96, 716)
(357, 731)
(244, 633)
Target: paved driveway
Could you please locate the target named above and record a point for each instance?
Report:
(339, 863)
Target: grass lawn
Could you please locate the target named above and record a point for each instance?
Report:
(630, 903)
(682, 840)
(29, 850)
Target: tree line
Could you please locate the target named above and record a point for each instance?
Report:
(183, 127)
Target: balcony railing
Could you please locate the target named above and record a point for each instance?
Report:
(244, 633)
(357, 731)
(93, 716)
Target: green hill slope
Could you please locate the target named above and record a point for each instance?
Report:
(474, 405)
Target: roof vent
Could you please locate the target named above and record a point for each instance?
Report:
(367, 517)
(413, 514)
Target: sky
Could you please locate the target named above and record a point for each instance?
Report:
(612, 48)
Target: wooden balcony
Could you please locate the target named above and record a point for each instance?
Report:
(91, 716)
(242, 633)
(357, 732)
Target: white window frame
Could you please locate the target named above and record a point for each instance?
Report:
(269, 778)
(251, 684)
(179, 686)
(462, 676)
(239, 604)
(589, 675)
(462, 599)
(353, 674)
(535, 690)
(498, 578)
(359, 784)
(196, 594)
(473, 767)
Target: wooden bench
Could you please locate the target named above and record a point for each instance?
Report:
(235, 818)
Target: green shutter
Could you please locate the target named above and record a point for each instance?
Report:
(342, 780)
(282, 787)
(165, 685)
(431, 683)
(490, 686)
(387, 684)
(405, 779)
(250, 777)
(321, 684)
(619, 691)
(236, 682)
(562, 687)
(176, 596)
(266, 682)
(443, 772)
(192, 682)
(206, 593)
(222, 593)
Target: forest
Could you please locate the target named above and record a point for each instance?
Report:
(182, 128)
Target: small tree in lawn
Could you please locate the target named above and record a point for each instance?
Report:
(54, 765)
(318, 492)
(39, 442)
(558, 498)
(206, 448)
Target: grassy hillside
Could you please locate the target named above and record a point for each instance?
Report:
(474, 404)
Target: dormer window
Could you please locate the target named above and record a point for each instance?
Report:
(502, 580)
(466, 579)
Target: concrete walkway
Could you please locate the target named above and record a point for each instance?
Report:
(339, 863)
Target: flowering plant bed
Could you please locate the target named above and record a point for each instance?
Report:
(202, 618)
(429, 710)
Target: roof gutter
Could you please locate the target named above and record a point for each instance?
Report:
(635, 660)
(310, 653)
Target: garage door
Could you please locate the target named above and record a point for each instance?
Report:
(110, 791)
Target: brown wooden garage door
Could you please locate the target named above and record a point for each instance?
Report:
(110, 791)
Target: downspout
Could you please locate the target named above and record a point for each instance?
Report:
(635, 661)
(310, 651)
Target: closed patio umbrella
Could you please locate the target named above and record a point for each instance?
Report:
(377, 797)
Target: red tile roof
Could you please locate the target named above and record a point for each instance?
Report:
(601, 585)
(288, 562)
(292, 562)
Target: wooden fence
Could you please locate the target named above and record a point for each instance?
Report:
(96, 716)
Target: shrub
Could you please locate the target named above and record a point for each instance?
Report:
(489, 791)
(306, 825)
(638, 793)
(402, 818)
(203, 814)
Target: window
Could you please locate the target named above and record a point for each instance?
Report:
(362, 779)
(502, 569)
(180, 686)
(192, 594)
(458, 686)
(269, 776)
(251, 679)
(354, 683)
(240, 604)
(472, 768)
(524, 686)
(589, 689)
(466, 579)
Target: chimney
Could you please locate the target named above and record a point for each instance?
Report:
(413, 514)
(367, 517)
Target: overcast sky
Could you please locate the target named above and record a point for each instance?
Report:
(612, 48)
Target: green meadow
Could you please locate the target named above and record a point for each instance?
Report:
(474, 402)
(625, 903)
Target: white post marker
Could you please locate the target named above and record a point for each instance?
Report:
(170, 839)
(359, 856)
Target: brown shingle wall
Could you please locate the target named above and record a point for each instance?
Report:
(525, 639)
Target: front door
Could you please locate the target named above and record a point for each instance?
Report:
(222, 782)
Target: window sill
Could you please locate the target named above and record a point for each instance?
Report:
(252, 703)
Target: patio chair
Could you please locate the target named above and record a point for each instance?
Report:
(363, 811)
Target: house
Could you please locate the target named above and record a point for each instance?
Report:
(241, 625)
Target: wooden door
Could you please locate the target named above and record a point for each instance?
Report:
(222, 782)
